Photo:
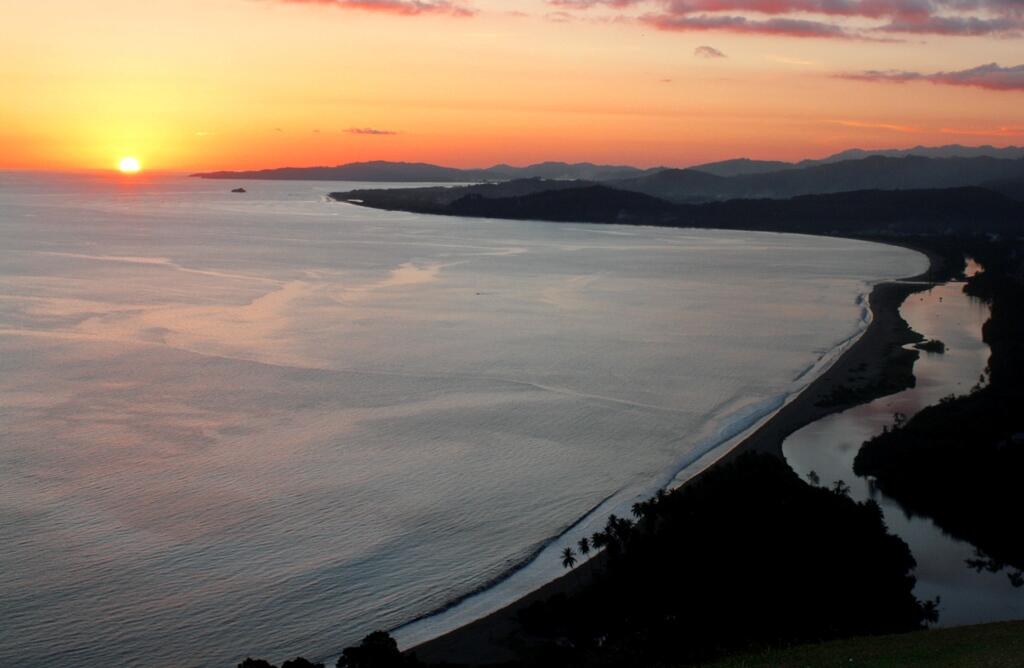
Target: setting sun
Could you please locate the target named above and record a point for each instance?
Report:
(129, 165)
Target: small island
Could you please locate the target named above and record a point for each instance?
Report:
(931, 346)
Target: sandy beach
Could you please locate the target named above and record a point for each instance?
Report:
(877, 364)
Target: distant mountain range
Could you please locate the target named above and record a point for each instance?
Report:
(682, 186)
(871, 173)
(877, 194)
(744, 166)
(383, 171)
(418, 172)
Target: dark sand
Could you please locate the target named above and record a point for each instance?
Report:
(877, 364)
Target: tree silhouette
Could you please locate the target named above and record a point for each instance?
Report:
(568, 558)
(584, 546)
(299, 662)
(256, 663)
(377, 650)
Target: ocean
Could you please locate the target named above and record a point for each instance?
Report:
(266, 424)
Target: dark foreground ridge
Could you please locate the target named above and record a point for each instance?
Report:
(870, 212)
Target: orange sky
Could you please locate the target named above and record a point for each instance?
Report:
(211, 84)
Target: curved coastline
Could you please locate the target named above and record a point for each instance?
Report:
(871, 363)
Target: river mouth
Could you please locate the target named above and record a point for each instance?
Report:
(828, 447)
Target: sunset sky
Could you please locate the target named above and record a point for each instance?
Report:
(212, 84)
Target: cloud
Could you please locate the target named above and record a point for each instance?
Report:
(741, 24)
(842, 19)
(957, 25)
(400, 7)
(370, 131)
(1002, 131)
(708, 52)
(876, 126)
(990, 76)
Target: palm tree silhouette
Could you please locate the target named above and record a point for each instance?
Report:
(568, 558)
(584, 546)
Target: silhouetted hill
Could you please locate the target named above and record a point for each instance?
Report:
(568, 171)
(383, 171)
(377, 170)
(1013, 188)
(596, 203)
(435, 199)
(872, 173)
(899, 212)
(742, 166)
(955, 210)
(678, 185)
(948, 151)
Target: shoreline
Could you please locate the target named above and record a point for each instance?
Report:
(875, 365)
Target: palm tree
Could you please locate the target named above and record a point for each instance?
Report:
(841, 488)
(584, 546)
(598, 540)
(568, 558)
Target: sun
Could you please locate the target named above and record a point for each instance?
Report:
(129, 165)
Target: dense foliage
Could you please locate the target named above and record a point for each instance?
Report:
(749, 555)
(899, 212)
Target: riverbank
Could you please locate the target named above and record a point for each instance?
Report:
(830, 446)
(875, 365)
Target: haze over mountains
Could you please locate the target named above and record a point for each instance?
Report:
(871, 173)
(879, 194)
(742, 166)
(380, 170)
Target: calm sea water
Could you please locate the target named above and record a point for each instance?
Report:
(267, 424)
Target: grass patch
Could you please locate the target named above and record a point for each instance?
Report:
(982, 646)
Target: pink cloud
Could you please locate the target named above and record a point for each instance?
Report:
(400, 7)
(821, 18)
(990, 77)
(741, 24)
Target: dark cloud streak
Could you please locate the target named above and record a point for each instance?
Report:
(370, 131)
(990, 77)
(708, 52)
(840, 19)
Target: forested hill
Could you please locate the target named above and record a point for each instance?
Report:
(871, 173)
(954, 210)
